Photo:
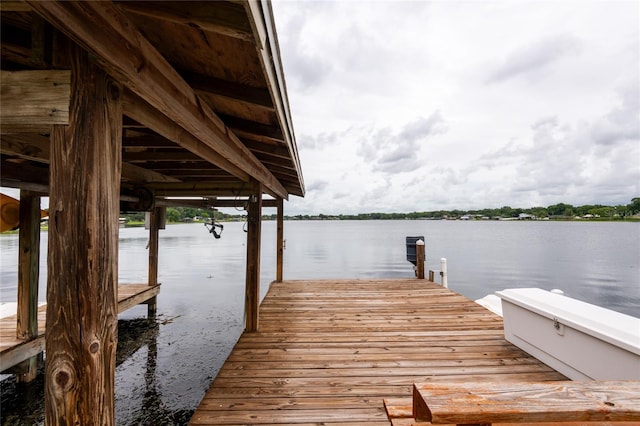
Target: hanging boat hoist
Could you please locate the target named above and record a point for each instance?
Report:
(211, 226)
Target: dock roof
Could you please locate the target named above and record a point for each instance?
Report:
(205, 108)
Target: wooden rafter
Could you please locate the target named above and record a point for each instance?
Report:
(260, 17)
(121, 50)
(35, 148)
(238, 92)
(275, 149)
(223, 18)
(251, 127)
(201, 189)
(143, 112)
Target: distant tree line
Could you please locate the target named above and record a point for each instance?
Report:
(184, 214)
(555, 211)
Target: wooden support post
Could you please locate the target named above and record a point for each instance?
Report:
(82, 323)
(155, 218)
(280, 240)
(28, 276)
(432, 275)
(420, 259)
(252, 292)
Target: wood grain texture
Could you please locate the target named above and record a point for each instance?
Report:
(140, 110)
(120, 49)
(254, 230)
(34, 100)
(279, 240)
(28, 266)
(83, 251)
(28, 276)
(494, 402)
(329, 352)
(227, 19)
(14, 350)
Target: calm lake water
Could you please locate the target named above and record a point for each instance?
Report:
(165, 365)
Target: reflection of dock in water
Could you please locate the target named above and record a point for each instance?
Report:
(135, 334)
(22, 402)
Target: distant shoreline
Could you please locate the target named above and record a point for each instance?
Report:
(509, 219)
(632, 219)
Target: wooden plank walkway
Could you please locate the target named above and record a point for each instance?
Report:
(329, 352)
(14, 350)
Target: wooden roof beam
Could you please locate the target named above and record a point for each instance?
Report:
(22, 170)
(252, 127)
(217, 174)
(285, 171)
(217, 17)
(32, 101)
(36, 148)
(148, 141)
(165, 166)
(261, 19)
(14, 6)
(209, 203)
(239, 92)
(201, 189)
(144, 156)
(242, 202)
(124, 53)
(139, 175)
(142, 112)
(275, 149)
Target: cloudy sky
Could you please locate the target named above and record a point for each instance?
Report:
(416, 106)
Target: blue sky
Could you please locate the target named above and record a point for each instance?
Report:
(413, 106)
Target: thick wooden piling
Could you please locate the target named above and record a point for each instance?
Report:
(83, 251)
(28, 276)
(155, 219)
(254, 226)
(280, 240)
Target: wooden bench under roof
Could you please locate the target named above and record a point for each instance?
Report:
(330, 352)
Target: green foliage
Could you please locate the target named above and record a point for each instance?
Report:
(556, 211)
(561, 209)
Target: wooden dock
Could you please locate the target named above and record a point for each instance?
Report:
(14, 350)
(329, 352)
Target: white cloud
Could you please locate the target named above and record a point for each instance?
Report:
(403, 106)
(534, 59)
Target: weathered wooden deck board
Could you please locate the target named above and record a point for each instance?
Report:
(483, 403)
(14, 350)
(329, 352)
